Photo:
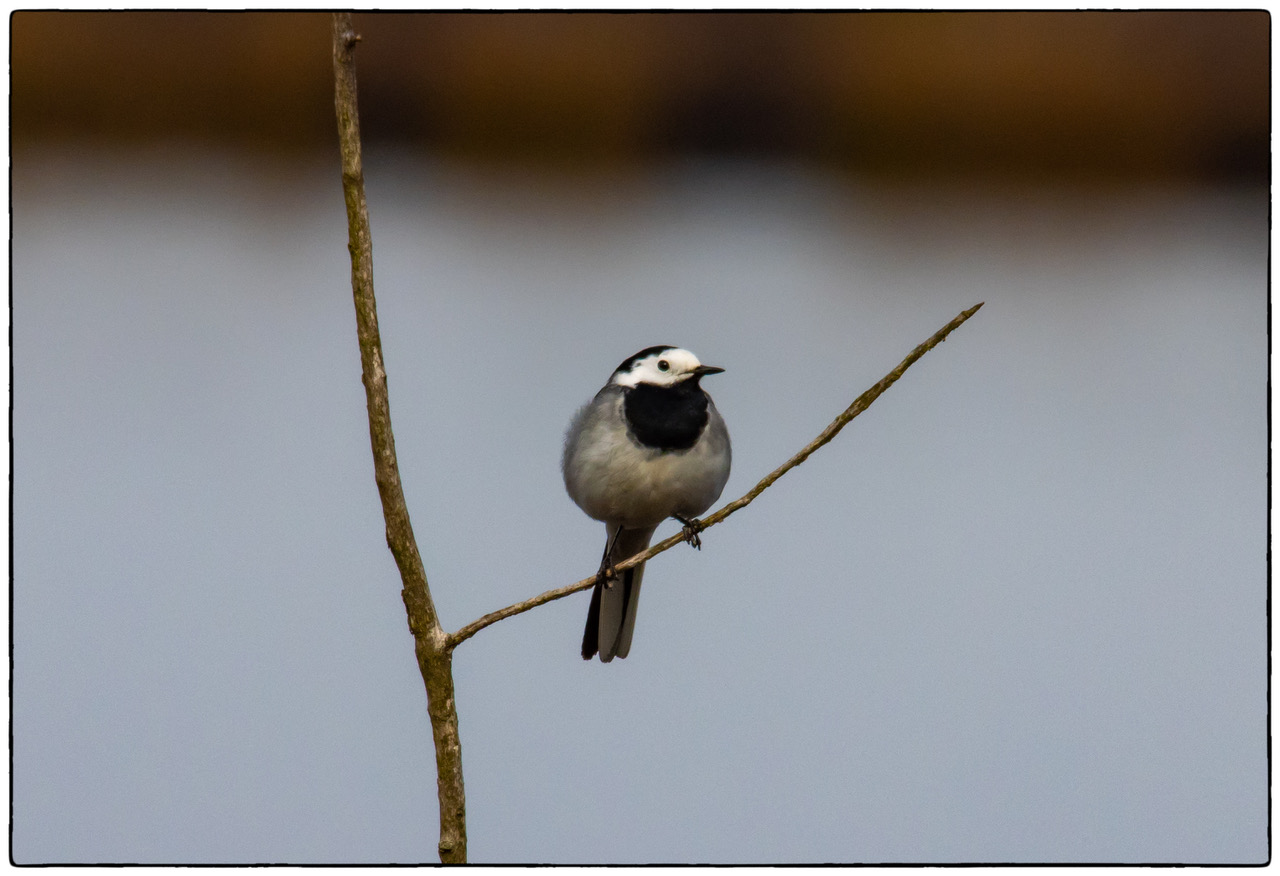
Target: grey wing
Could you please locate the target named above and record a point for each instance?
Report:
(722, 448)
(594, 435)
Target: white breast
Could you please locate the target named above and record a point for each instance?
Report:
(614, 479)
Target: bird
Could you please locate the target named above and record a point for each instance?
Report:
(650, 445)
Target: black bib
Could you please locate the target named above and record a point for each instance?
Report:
(666, 417)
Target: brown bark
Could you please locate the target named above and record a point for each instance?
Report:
(431, 645)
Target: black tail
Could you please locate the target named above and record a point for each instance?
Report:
(611, 619)
(591, 636)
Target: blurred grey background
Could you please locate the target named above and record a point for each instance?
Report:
(1016, 612)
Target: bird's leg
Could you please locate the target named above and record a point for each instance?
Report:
(692, 526)
(608, 574)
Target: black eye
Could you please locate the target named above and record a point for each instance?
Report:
(663, 365)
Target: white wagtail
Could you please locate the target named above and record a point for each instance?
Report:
(649, 446)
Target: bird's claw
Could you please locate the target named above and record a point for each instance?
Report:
(691, 529)
(607, 575)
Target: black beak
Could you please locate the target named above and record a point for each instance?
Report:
(703, 370)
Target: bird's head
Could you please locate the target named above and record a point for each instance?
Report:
(661, 366)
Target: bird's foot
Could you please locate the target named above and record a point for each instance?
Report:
(692, 526)
(607, 575)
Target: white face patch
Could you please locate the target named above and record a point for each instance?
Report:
(665, 368)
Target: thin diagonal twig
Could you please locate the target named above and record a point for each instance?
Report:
(860, 404)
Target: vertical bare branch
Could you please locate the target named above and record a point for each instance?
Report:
(431, 646)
